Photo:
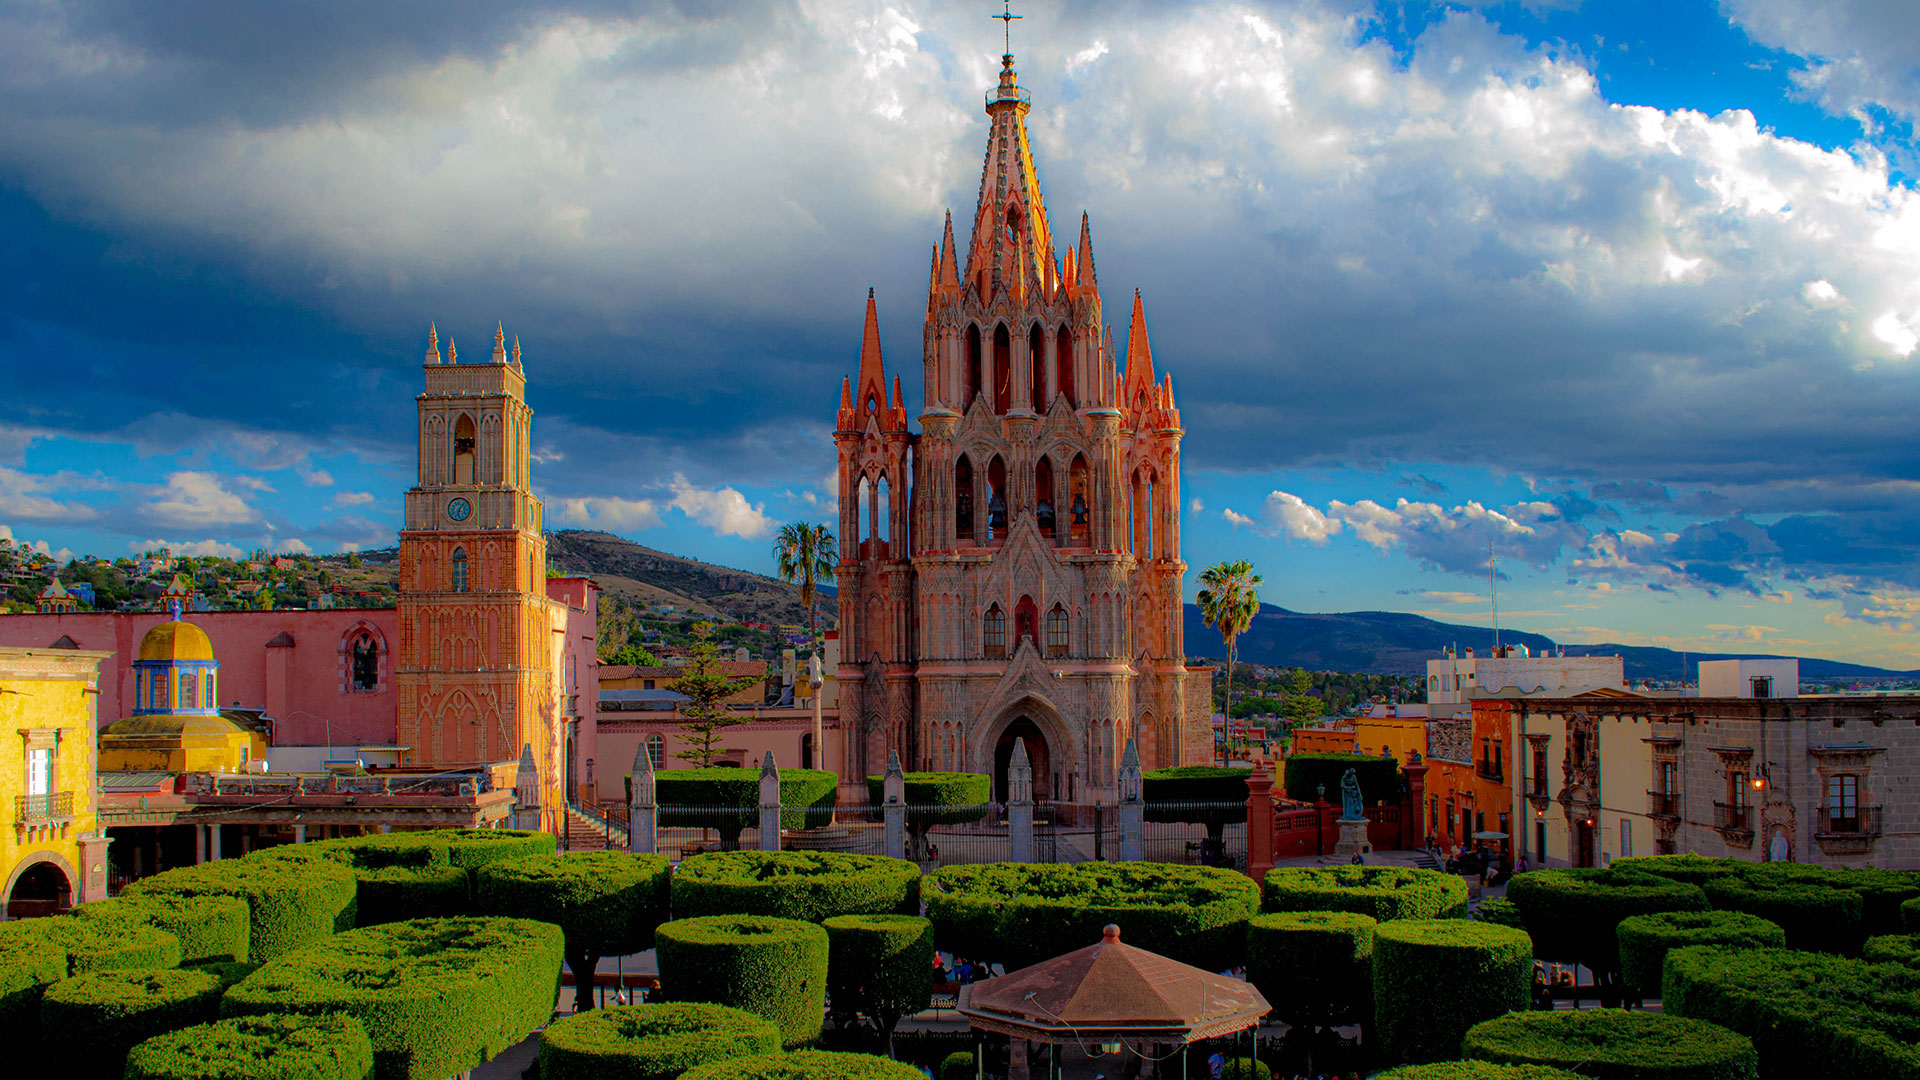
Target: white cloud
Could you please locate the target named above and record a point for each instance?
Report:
(295, 547)
(195, 548)
(1821, 293)
(318, 478)
(353, 498)
(619, 515)
(29, 497)
(1893, 332)
(1196, 506)
(198, 499)
(724, 510)
(1238, 519)
(1286, 514)
(1863, 52)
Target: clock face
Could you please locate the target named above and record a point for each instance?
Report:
(458, 509)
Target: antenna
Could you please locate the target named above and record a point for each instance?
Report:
(1493, 593)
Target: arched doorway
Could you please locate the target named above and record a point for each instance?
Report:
(43, 888)
(1038, 756)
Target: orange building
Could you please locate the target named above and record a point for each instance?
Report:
(1468, 786)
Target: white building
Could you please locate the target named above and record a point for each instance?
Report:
(1750, 678)
(1459, 676)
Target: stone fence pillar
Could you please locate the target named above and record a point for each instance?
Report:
(769, 804)
(1020, 804)
(1132, 824)
(893, 807)
(1259, 824)
(643, 806)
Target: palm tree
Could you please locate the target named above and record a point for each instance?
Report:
(1229, 599)
(805, 554)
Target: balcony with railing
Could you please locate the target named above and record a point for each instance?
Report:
(1490, 770)
(1535, 787)
(1857, 823)
(36, 810)
(1735, 821)
(1663, 804)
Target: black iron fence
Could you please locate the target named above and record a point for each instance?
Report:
(1198, 833)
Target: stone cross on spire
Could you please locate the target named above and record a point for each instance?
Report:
(1006, 18)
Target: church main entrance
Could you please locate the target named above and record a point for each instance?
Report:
(1037, 754)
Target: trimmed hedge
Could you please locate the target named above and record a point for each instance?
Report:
(1883, 894)
(1023, 913)
(208, 927)
(1571, 914)
(1475, 1070)
(650, 1042)
(1892, 949)
(806, 797)
(1816, 917)
(880, 965)
(1435, 978)
(290, 902)
(437, 996)
(28, 965)
(1615, 1044)
(1380, 892)
(1241, 1068)
(327, 1047)
(1645, 939)
(805, 885)
(956, 1066)
(1910, 916)
(607, 903)
(1500, 912)
(89, 945)
(1306, 774)
(1808, 1014)
(807, 1065)
(1206, 791)
(1692, 869)
(89, 1022)
(398, 893)
(962, 796)
(1313, 967)
(471, 849)
(775, 968)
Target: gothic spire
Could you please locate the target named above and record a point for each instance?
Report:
(1010, 223)
(949, 269)
(1139, 351)
(499, 343)
(1084, 273)
(433, 344)
(873, 373)
(516, 353)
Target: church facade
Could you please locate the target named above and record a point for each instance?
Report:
(1012, 570)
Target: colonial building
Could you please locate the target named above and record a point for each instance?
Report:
(1012, 570)
(52, 853)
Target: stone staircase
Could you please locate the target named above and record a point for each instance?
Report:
(587, 833)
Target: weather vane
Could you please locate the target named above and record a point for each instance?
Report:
(1006, 18)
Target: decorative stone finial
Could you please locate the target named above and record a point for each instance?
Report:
(499, 343)
(1110, 934)
(433, 344)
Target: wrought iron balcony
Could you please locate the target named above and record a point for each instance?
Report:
(42, 809)
(1861, 822)
(1535, 787)
(1663, 804)
(1730, 818)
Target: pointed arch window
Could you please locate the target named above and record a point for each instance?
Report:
(963, 501)
(1043, 514)
(1063, 366)
(1057, 631)
(459, 562)
(997, 499)
(1002, 369)
(993, 633)
(463, 445)
(365, 662)
(1079, 513)
(971, 388)
(1037, 368)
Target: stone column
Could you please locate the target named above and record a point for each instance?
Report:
(1133, 808)
(299, 834)
(769, 804)
(893, 808)
(199, 844)
(213, 843)
(93, 867)
(1259, 823)
(643, 812)
(1020, 803)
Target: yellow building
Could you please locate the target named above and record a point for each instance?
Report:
(176, 724)
(49, 848)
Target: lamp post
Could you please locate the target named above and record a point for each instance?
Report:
(815, 679)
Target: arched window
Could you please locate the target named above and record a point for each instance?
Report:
(996, 499)
(1037, 368)
(1026, 621)
(971, 389)
(1002, 369)
(365, 662)
(189, 696)
(657, 751)
(1057, 631)
(862, 512)
(211, 687)
(463, 450)
(459, 569)
(883, 513)
(963, 501)
(1079, 514)
(1063, 366)
(1043, 514)
(993, 633)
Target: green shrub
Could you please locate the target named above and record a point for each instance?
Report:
(776, 968)
(1645, 939)
(100, 944)
(1474, 1070)
(327, 1047)
(936, 798)
(956, 1066)
(89, 1022)
(1808, 1014)
(1381, 892)
(208, 927)
(1615, 1044)
(1571, 914)
(1208, 795)
(1022, 913)
(470, 849)
(1435, 978)
(1307, 774)
(1500, 912)
(1816, 917)
(437, 996)
(1910, 916)
(1313, 967)
(650, 1042)
(1892, 949)
(28, 965)
(607, 903)
(1245, 1068)
(398, 893)
(1882, 894)
(807, 1065)
(805, 885)
(1692, 869)
(806, 799)
(880, 965)
(290, 903)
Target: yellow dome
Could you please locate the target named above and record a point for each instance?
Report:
(176, 641)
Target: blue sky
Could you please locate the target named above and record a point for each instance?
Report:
(1629, 292)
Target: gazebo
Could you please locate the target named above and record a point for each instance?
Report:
(1112, 996)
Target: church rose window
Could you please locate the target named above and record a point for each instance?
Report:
(994, 632)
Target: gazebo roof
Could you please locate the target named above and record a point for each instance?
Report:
(1112, 990)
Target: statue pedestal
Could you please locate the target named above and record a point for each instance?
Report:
(1353, 839)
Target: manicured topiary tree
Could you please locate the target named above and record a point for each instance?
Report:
(1380, 892)
(1882, 893)
(1022, 913)
(1310, 776)
(805, 885)
(1435, 978)
(209, 928)
(1474, 1070)
(1208, 795)
(28, 965)
(437, 996)
(650, 1042)
(775, 968)
(728, 799)
(1242, 1068)
(326, 1047)
(1313, 967)
(89, 1022)
(1910, 916)
(1571, 914)
(1645, 939)
(936, 798)
(606, 902)
(1816, 916)
(1692, 869)
(1892, 949)
(807, 1065)
(471, 849)
(105, 944)
(880, 966)
(290, 903)
(1500, 912)
(956, 1066)
(1808, 1014)
(1615, 1044)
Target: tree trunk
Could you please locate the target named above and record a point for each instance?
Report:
(1226, 706)
(583, 966)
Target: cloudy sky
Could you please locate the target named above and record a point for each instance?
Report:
(1627, 291)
